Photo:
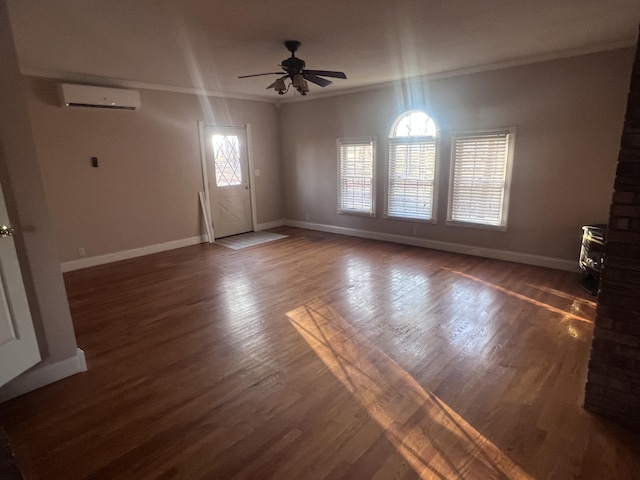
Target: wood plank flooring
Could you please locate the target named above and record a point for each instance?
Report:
(322, 356)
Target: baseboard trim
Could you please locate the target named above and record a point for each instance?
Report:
(268, 225)
(509, 256)
(126, 254)
(39, 377)
(517, 257)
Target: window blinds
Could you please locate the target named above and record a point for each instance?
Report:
(411, 176)
(356, 176)
(479, 173)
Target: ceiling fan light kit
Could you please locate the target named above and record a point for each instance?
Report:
(280, 86)
(293, 69)
(300, 84)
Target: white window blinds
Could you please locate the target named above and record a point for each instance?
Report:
(480, 175)
(356, 176)
(411, 175)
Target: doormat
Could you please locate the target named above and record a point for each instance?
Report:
(244, 240)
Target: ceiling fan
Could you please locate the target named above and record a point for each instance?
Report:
(293, 70)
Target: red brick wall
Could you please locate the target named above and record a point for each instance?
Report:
(613, 385)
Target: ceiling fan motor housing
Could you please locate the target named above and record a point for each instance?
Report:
(293, 65)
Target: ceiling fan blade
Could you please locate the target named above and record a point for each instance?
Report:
(326, 73)
(260, 74)
(313, 78)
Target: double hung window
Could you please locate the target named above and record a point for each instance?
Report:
(411, 168)
(480, 178)
(356, 176)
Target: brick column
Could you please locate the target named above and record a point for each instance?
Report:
(613, 385)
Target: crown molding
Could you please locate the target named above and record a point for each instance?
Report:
(123, 83)
(279, 99)
(515, 62)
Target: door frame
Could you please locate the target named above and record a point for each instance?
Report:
(22, 348)
(205, 177)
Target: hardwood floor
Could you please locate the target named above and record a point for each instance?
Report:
(322, 357)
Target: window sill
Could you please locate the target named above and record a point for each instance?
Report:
(410, 219)
(357, 213)
(481, 226)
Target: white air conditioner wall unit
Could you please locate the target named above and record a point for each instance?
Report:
(73, 95)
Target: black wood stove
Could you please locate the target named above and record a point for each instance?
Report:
(592, 256)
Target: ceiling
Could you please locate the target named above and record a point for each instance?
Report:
(206, 44)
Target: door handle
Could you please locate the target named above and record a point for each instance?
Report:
(6, 231)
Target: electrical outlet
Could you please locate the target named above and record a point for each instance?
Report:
(81, 252)
(414, 231)
(306, 217)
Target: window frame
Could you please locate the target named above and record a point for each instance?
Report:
(408, 140)
(362, 141)
(510, 133)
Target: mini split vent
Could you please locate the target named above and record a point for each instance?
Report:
(72, 95)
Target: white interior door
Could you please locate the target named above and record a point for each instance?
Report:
(229, 186)
(18, 345)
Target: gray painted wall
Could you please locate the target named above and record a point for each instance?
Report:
(568, 113)
(25, 198)
(145, 190)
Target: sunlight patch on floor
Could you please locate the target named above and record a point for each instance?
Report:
(519, 296)
(433, 439)
(562, 294)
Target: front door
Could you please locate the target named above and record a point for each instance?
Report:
(229, 187)
(18, 345)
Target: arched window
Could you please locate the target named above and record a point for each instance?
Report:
(414, 124)
(412, 163)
